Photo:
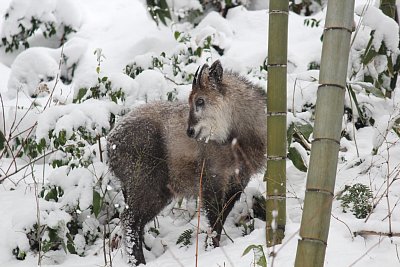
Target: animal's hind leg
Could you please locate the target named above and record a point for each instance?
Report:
(218, 204)
(140, 211)
(133, 238)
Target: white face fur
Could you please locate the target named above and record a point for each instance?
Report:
(213, 121)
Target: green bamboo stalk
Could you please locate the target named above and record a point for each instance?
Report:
(325, 147)
(388, 8)
(275, 175)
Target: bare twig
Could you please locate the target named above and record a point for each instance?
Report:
(387, 191)
(104, 245)
(100, 150)
(366, 253)
(198, 212)
(29, 133)
(348, 228)
(38, 236)
(56, 79)
(26, 165)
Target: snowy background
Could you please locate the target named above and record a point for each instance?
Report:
(69, 69)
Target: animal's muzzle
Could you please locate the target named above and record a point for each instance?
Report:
(190, 132)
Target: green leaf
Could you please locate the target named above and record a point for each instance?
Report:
(97, 203)
(247, 250)
(305, 129)
(81, 94)
(368, 56)
(290, 133)
(70, 244)
(297, 160)
(354, 97)
(369, 88)
(262, 261)
(390, 66)
(259, 255)
(176, 35)
(52, 195)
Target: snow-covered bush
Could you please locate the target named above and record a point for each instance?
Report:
(190, 11)
(76, 208)
(374, 53)
(39, 71)
(80, 202)
(55, 20)
(180, 65)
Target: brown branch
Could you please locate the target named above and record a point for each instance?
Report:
(364, 233)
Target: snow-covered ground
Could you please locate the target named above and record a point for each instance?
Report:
(123, 31)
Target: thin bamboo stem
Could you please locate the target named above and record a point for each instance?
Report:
(275, 175)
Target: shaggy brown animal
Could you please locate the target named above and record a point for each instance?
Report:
(157, 151)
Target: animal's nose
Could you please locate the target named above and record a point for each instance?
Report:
(190, 131)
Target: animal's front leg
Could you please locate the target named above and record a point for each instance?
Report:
(218, 203)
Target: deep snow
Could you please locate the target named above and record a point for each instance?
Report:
(125, 32)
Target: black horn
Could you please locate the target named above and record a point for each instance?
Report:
(201, 74)
(195, 77)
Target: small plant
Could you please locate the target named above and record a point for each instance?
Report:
(259, 256)
(19, 254)
(313, 65)
(357, 199)
(312, 22)
(184, 239)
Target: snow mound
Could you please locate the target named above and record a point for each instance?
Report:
(152, 86)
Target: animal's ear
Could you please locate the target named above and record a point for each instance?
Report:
(216, 71)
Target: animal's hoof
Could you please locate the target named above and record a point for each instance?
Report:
(215, 241)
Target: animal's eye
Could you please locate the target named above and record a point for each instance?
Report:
(200, 102)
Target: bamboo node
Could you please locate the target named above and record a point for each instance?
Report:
(332, 84)
(320, 190)
(276, 65)
(338, 28)
(314, 240)
(278, 227)
(276, 158)
(277, 11)
(325, 139)
(275, 197)
(278, 113)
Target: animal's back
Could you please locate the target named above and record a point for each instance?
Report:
(149, 148)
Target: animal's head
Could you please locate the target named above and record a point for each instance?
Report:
(210, 115)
